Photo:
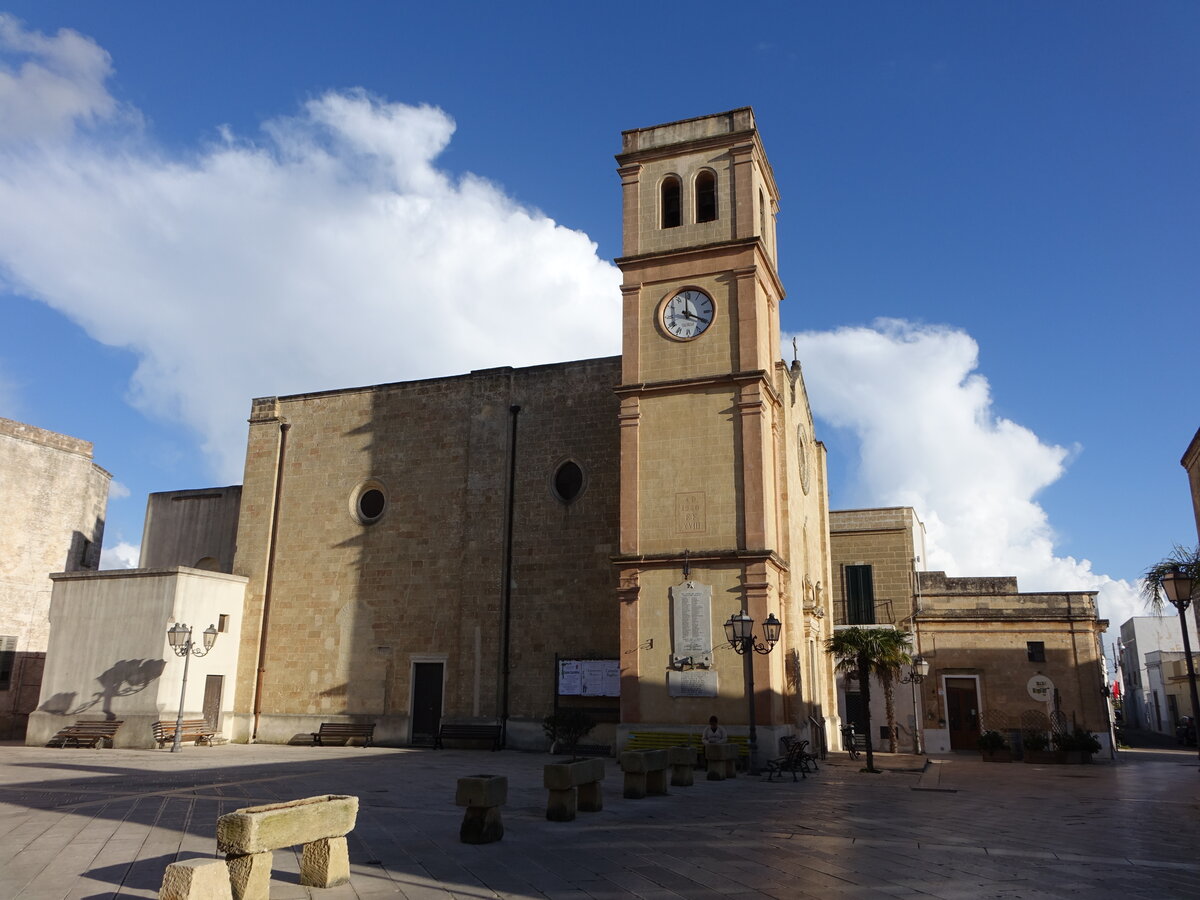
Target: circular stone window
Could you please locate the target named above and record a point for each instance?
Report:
(368, 502)
(567, 484)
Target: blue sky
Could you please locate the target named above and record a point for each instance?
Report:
(998, 201)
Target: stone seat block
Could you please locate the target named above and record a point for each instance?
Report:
(196, 879)
(258, 829)
(562, 776)
(485, 791)
(681, 756)
(636, 761)
(721, 752)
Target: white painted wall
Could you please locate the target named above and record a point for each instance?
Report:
(109, 656)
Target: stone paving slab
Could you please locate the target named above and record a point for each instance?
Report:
(105, 824)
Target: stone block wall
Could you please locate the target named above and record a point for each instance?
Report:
(355, 606)
(889, 540)
(55, 498)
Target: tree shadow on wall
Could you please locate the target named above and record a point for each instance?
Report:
(122, 679)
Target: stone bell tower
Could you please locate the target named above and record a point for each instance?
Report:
(723, 503)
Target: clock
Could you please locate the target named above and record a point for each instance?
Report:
(688, 314)
(802, 457)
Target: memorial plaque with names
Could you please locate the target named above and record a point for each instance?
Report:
(692, 683)
(691, 615)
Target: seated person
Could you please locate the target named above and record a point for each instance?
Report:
(714, 733)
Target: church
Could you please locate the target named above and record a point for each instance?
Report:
(497, 546)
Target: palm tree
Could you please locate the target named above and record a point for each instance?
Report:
(1187, 561)
(863, 652)
(887, 669)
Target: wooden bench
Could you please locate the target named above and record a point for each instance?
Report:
(196, 730)
(343, 732)
(87, 733)
(452, 731)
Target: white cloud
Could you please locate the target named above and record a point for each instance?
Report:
(331, 252)
(117, 491)
(48, 84)
(928, 438)
(120, 556)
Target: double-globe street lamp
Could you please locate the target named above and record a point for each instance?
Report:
(739, 631)
(180, 638)
(1178, 587)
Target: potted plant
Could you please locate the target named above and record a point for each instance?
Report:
(1078, 745)
(993, 747)
(566, 728)
(1037, 748)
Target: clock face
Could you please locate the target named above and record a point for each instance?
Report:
(802, 456)
(688, 314)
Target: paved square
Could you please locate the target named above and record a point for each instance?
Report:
(105, 823)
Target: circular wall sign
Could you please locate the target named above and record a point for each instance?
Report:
(1040, 688)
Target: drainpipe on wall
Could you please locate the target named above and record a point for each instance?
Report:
(268, 580)
(506, 588)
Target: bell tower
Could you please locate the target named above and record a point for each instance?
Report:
(710, 423)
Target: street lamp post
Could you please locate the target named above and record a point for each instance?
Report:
(739, 631)
(1178, 587)
(917, 672)
(180, 638)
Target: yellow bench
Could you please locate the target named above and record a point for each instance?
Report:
(663, 740)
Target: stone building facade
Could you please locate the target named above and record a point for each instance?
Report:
(983, 639)
(991, 650)
(1191, 464)
(433, 550)
(55, 498)
(723, 486)
(422, 550)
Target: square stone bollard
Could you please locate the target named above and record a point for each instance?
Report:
(645, 773)
(482, 795)
(196, 879)
(573, 785)
(721, 760)
(682, 761)
(248, 836)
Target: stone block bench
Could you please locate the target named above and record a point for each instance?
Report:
(682, 761)
(482, 795)
(248, 836)
(721, 760)
(645, 773)
(573, 785)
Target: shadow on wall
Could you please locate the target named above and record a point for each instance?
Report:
(123, 678)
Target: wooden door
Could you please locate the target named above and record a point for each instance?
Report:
(214, 686)
(962, 713)
(427, 701)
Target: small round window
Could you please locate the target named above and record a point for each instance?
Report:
(568, 481)
(368, 502)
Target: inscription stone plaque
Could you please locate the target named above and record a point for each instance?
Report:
(692, 683)
(691, 620)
